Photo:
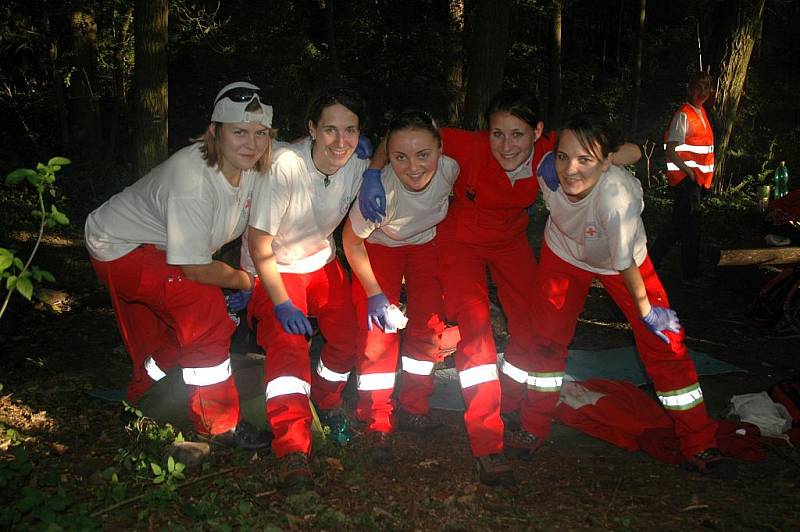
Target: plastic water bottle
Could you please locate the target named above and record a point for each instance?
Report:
(780, 181)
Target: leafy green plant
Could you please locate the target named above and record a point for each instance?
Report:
(20, 276)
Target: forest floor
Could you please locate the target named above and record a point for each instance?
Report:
(67, 459)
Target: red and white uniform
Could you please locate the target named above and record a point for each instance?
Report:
(691, 129)
(486, 227)
(402, 246)
(180, 213)
(597, 237)
(296, 207)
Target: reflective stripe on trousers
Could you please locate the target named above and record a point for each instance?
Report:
(375, 381)
(208, 376)
(287, 385)
(477, 375)
(330, 375)
(545, 382)
(682, 399)
(416, 367)
(152, 369)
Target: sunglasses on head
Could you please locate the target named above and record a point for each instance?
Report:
(240, 95)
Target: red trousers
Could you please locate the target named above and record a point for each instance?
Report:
(325, 294)
(463, 272)
(166, 321)
(561, 292)
(379, 351)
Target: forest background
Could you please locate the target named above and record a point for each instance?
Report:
(71, 84)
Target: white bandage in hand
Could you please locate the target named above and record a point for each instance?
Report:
(395, 319)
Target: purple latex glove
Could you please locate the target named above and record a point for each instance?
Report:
(364, 148)
(237, 301)
(662, 319)
(372, 198)
(292, 319)
(547, 171)
(376, 310)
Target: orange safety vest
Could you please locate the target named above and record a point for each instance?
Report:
(697, 150)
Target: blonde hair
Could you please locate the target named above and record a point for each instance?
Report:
(212, 151)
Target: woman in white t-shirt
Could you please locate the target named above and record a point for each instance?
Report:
(295, 212)
(152, 246)
(595, 231)
(401, 247)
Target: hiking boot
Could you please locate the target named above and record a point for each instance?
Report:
(380, 446)
(494, 470)
(710, 462)
(338, 424)
(522, 444)
(294, 475)
(244, 436)
(420, 423)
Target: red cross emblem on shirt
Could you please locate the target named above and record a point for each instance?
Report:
(591, 231)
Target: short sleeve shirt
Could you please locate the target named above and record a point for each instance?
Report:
(679, 128)
(411, 216)
(182, 206)
(603, 232)
(300, 211)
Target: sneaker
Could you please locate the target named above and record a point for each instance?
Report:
(338, 424)
(244, 436)
(494, 470)
(416, 422)
(522, 444)
(294, 475)
(710, 462)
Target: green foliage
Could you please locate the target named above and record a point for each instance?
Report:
(20, 276)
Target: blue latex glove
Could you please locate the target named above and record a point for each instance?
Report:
(237, 301)
(364, 148)
(547, 171)
(376, 311)
(292, 319)
(372, 198)
(662, 319)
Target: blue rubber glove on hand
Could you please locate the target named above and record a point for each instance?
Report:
(364, 148)
(376, 311)
(292, 319)
(237, 301)
(662, 319)
(372, 198)
(547, 171)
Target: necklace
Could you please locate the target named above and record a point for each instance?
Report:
(327, 180)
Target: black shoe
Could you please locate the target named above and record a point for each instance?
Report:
(420, 423)
(494, 470)
(294, 474)
(244, 436)
(711, 462)
(522, 444)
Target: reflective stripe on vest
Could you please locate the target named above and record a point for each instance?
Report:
(287, 386)
(545, 382)
(477, 375)
(513, 372)
(208, 376)
(330, 375)
(682, 399)
(152, 369)
(416, 367)
(697, 150)
(375, 381)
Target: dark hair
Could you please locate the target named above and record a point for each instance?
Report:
(413, 119)
(343, 96)
(517, 102)
(697, 78)
(592, 133)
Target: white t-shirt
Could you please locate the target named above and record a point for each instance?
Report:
(603, 232)
(299, 211)
(181, 205)
(411, 216)
(679, 128)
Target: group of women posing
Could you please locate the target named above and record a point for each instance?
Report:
(448, 205)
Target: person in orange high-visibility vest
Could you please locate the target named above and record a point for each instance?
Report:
(689, 146)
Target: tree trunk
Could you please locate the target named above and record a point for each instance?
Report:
(730, 85)
(637, 70)
(554, 99)
(487, 58)
(123, 29)
(330, 29)
(455, 77)
(57, 80)
(151, 81)
(84, 98)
